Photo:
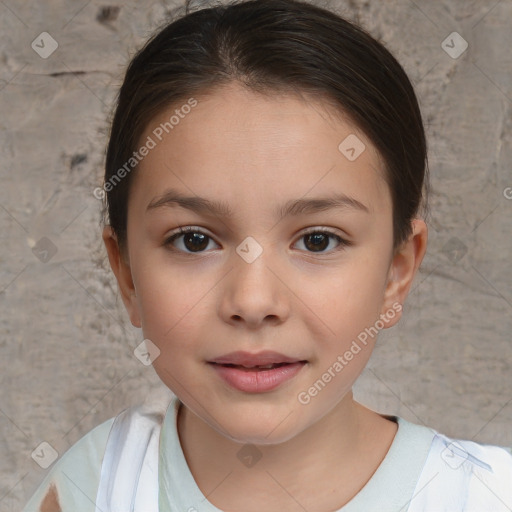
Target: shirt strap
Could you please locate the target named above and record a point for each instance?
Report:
(129, 472)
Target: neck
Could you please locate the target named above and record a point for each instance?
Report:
(346, 445)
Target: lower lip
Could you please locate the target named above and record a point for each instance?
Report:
(257, 381)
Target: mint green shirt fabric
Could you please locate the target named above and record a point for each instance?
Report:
(76, 474)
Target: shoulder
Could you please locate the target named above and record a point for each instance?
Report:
(73, 480)
(482, 459)
(464, 475)
(487, 462)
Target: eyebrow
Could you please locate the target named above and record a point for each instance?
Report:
(293, 207)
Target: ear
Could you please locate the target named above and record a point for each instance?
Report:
(404, 265)
(121, 268)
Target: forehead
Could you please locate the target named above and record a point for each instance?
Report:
(251, 149)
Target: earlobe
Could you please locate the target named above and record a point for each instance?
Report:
(404, 267)
(122, 271)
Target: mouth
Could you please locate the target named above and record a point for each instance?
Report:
(266, 360)
(256, 373)
(256, 368)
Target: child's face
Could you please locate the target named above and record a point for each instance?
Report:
(305, 298)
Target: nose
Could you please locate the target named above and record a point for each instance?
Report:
(253, 294)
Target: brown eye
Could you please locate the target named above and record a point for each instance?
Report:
(195, 241)
(318, 240)
(192, 240)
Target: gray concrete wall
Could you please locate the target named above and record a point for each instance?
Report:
(67, 360)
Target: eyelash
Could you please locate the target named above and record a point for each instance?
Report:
(342, 243)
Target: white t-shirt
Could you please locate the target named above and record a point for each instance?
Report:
(402, 475)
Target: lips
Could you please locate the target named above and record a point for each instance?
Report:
(261, 360)
(256, 373)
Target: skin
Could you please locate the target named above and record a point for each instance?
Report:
(255, 153)
(50, 502)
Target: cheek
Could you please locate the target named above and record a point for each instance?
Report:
(347, 299)
(163, 291)
(172, 302)
(172, 307)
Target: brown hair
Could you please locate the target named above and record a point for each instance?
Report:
(270, 45)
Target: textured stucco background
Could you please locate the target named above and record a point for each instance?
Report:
(67, 360)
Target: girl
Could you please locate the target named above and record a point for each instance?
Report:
(264, 179)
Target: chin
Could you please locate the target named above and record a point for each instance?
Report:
(257, 430)
(258, 438)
